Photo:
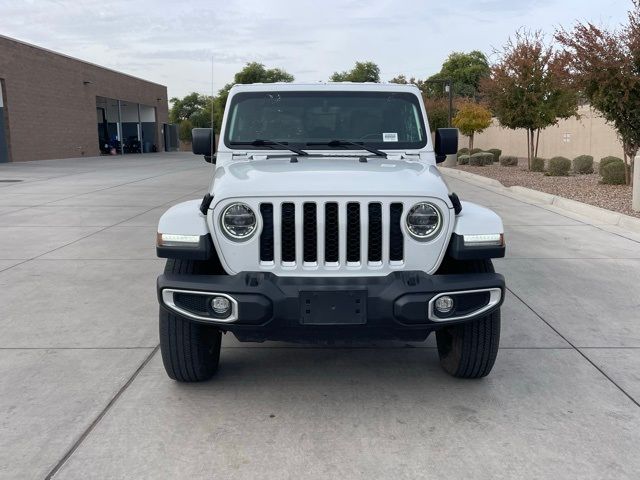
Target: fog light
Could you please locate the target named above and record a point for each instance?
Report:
(221, 305)
(444, 304)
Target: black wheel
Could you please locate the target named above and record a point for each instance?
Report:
(190, 351)
(469, 350)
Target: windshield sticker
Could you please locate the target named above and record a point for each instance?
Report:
(390, 137)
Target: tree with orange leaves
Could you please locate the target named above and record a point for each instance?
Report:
(529, 87)
(605, 65)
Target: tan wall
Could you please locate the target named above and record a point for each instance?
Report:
(51, 112)
(588, 135)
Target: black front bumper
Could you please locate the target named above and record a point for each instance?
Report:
(269, 307)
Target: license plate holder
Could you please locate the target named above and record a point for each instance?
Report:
(347, 307)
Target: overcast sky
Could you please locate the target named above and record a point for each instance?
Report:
(173, 42)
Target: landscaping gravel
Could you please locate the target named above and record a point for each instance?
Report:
(583, 188)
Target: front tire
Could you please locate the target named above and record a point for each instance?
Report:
(190, 351)
(469, 350)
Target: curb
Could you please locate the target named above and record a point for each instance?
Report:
(596, 214)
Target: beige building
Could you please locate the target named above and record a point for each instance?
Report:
(587, 135)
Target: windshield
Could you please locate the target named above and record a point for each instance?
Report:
(325, 120)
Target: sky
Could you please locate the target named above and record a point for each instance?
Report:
(173, 43)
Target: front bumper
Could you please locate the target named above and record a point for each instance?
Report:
(264, 306)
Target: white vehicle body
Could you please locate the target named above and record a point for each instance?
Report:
(255, 176)
(334, 225)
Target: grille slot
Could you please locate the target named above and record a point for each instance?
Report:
(353, 232)
(288, 232)
(331, 233)
(310, 233)
(396, 240)
(266, 237)
(375, 232)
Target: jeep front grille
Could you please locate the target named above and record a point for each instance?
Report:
(332, 234)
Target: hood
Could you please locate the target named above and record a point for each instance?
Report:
(322, 176)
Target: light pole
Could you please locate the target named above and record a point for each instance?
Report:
(448, 89)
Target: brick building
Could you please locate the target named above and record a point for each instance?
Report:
(55, 106)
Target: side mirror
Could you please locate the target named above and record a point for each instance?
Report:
(446, 143)
(202, 143)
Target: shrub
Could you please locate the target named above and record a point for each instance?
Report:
(463, 160)
(475, 150)
(607, 160)
(496, 153)
(508, 161)
(480, 159)
(463, 151)
(613, 173)
(583, 164)
(537, 164)
(488, 157)
(559, 167)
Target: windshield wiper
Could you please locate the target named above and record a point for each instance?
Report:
(345, 143)
(271, 143)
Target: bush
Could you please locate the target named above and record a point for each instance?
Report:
(476, 161)
(475, 150)
(487, 156)
(537, 164)
(607, 160)
(496, 153)
(463, 151)
(583, 164)
(481, 159)
(508, 161)
(463, 160)
(613, 173)
(559, 167)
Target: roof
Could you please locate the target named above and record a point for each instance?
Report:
(4, 37)
(335, 86)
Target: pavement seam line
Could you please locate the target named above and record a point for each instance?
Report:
(635, 402)
(94, 233)
(100, 416)
(26, 207)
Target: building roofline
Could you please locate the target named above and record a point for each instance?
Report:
(37, 47)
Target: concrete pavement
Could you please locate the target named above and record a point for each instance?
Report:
(83, 393)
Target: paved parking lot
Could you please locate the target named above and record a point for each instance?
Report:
(83, 394)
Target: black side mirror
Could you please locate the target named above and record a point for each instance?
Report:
(446, 143)
(202, 143)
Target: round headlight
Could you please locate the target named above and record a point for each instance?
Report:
(238, 221)
(424, 221)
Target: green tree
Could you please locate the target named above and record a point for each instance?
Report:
(530, 87)
(185, 108)
(466, 71)
(606, 67)
(361, 72)
(401, 79)
(253, 72)
(472, 118)
(184, 130)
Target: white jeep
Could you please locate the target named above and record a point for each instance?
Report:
(327, 220)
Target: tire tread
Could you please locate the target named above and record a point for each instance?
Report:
(190, 351)
(476, 343)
